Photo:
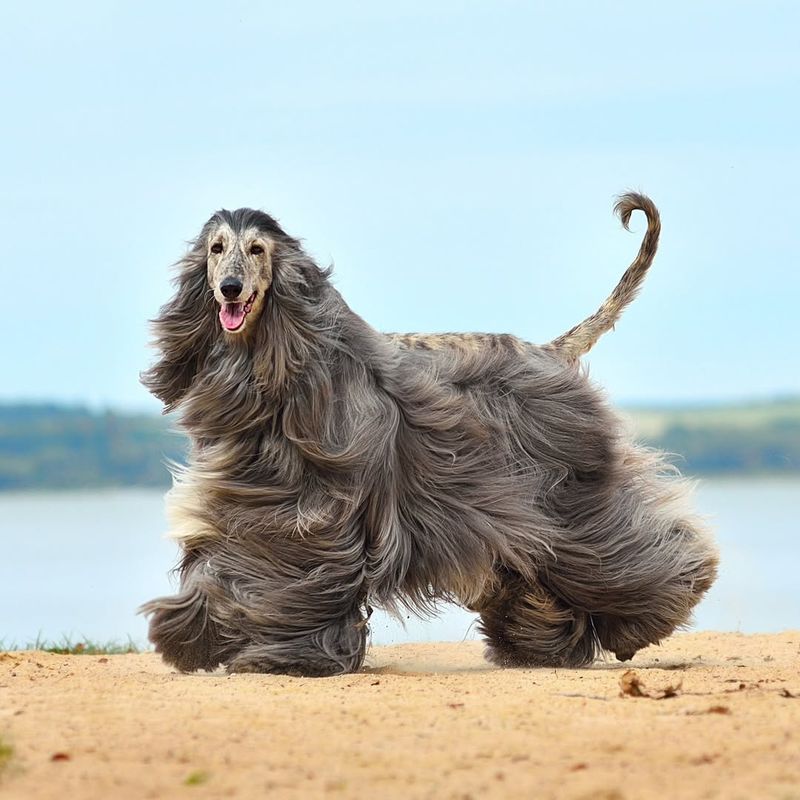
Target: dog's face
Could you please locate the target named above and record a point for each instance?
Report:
(239, 261)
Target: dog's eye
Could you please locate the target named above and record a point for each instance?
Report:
(256, 249)
(216, 247)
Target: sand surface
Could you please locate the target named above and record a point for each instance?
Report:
(429, 720)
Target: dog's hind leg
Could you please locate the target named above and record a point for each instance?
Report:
(661, 594)
(527, 626)
(636, 562)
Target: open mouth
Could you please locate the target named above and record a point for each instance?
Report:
(233, 315)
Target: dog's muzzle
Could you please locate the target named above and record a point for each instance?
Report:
(233, 314)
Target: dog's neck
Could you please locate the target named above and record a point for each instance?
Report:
(294, 363)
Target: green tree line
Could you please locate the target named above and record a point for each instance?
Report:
(59, 447)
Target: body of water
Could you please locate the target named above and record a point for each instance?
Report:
(79, 564)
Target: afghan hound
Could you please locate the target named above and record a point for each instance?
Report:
(334, 468)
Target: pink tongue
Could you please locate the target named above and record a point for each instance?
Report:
(231, 315)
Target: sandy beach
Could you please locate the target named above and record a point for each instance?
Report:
(706, 715)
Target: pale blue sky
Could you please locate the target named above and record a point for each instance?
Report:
(457, 162)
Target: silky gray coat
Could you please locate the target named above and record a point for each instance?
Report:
(334, 468)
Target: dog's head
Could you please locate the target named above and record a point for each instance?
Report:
(243, 280)
(239, 247)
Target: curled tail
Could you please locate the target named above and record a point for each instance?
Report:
(580, 339)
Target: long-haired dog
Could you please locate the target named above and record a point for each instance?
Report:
(334, 468)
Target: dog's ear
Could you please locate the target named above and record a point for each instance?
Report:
(184, 330)
(288, 332)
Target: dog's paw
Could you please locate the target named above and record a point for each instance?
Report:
(309, 669)
(182, 632)
(301, 659)
(625, 655)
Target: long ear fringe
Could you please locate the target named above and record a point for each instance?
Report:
(289, 334)
(184, 331)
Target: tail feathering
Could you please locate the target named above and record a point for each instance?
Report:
(579, 340)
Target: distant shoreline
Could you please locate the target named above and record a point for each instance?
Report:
(108, 489)
(48, 446)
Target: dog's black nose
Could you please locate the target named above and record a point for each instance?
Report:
(231, 288)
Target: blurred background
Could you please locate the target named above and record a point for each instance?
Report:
(457, 163)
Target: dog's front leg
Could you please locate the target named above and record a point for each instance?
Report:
(250, 607)
(306, 621)
(182, 627)
(322, 648)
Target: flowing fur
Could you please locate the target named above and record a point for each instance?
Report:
(334, 468)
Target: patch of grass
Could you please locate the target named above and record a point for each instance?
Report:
(196, 778)
(6, 752)
(66, 646)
